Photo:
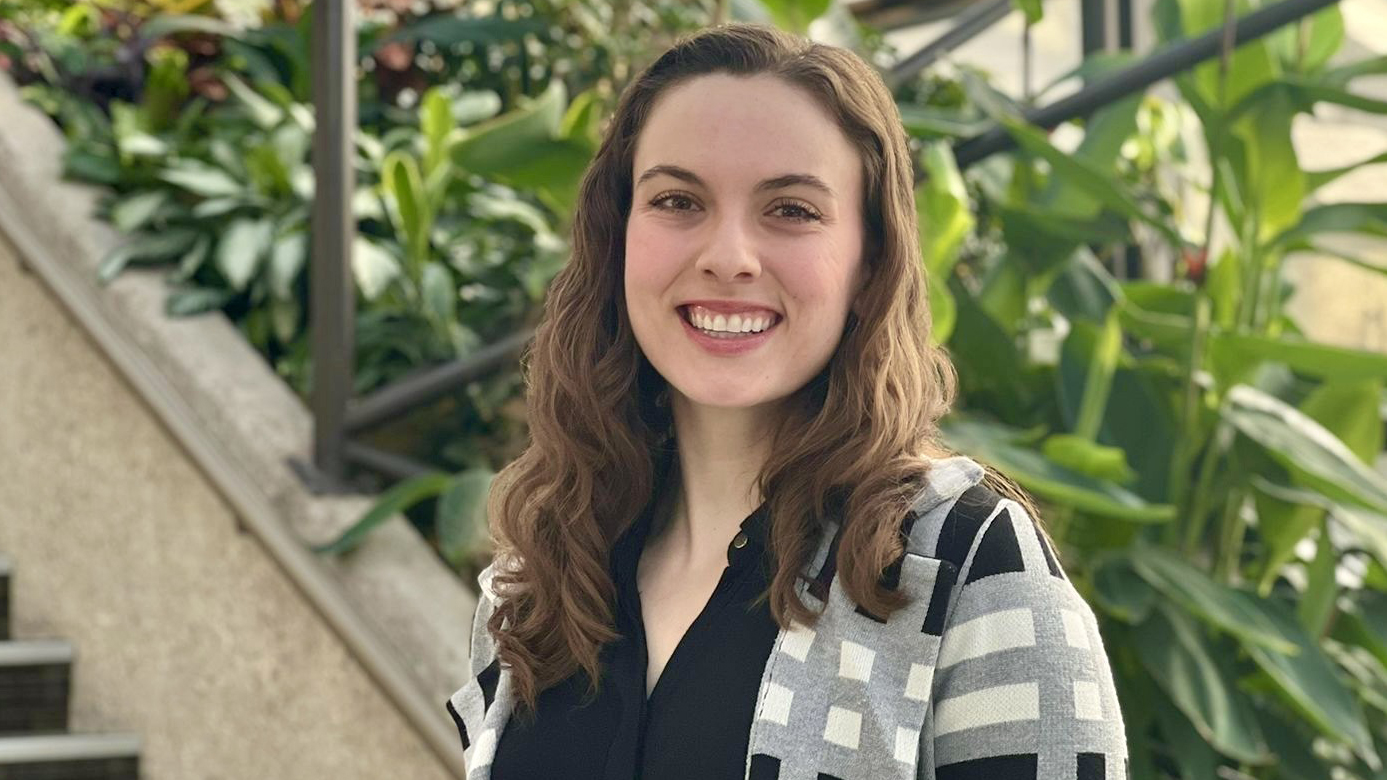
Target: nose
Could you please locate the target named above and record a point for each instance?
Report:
(731, 252)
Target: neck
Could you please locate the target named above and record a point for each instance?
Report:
(721, 453)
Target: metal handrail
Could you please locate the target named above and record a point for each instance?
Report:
(966, 26)
(433, 383)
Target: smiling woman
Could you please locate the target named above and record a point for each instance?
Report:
(749, 200)
(735, 547)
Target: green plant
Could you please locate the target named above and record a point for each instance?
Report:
(1205, 467)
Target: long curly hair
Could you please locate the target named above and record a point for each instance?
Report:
(855, 443)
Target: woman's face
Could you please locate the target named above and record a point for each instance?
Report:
(746, 214)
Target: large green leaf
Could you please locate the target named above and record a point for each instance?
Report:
(933, 122)
(1367, 218)
(943, 210)
(1086, 456)
(945, 219)
(408, 206)
(1282, 522)
(133, 211)
(286, 261)
(1367, 527)
(1295, 758)
(1274, 183)
(242, 249)
(393, 501)
(202, 179)
(1317, 457)
(461, 514)
(1189, 751)
(1199, 679)
(146, 248)
(1094, 181)
(475, 106)
(439, 128)
(1104, 134)
(1309, 683)
(263, 112)
(1233, 355)
(1107, 349)
(1321, 590)
(1363, 623)
(196, 300)
(1316, 179)
(1303, 93)
(996, 444)
(1119, 590)
(373, 267)
(1084, 289)
(439, 295)
(1307, 45)
(507, 141)
(1367, 265)
(991, 368)
(1238, 613)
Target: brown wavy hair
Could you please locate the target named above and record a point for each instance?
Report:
(855, 442)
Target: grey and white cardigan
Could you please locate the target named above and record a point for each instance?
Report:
(994, 671)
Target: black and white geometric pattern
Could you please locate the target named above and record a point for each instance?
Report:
(995, 670)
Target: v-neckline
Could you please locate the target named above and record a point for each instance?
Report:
(720, 594)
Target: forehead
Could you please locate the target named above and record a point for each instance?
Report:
(745, 127)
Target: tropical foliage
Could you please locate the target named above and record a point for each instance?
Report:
(1206, 468)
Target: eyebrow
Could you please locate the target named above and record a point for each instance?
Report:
(773, 183)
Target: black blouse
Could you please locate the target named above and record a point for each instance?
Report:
(696, 722)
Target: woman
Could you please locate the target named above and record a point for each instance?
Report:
(734, 547)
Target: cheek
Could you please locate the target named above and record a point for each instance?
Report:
(650, 264)
(820, 285)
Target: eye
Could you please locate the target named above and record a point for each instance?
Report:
(798, 212)
(676, 198)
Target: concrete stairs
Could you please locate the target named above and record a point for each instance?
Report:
(35, 682)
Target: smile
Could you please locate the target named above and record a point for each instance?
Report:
(718, 323)
(715, 333)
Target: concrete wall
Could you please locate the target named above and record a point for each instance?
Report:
(185, 631)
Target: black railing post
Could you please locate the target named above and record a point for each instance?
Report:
(1098, 26)
(332, 297)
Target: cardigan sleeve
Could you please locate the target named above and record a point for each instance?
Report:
(1022, 689)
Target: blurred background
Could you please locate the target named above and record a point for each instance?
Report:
(241, 514)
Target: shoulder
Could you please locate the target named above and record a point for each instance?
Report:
(981, 533)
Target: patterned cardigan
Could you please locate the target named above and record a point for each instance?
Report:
(995, 670)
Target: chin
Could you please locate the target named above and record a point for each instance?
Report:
(718, 397)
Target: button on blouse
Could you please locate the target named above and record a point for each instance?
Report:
(696, 721)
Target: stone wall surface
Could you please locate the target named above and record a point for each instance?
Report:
(185, 631)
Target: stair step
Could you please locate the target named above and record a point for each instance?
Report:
(70, 757)
(6, 566)
(35, 682)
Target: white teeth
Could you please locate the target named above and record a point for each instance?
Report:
(721, 323)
